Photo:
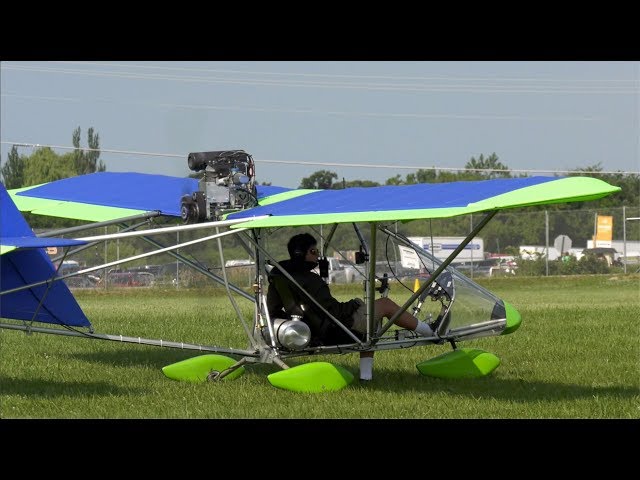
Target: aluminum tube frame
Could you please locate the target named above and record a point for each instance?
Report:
(127, 339)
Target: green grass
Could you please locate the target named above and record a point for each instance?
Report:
(577, 355)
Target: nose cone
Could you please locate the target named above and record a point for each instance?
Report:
(513, 319)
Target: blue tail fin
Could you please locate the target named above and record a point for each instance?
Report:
(23, 262)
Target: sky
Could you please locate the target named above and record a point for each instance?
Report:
(363, 120)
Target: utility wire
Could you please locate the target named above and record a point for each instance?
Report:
(334, 75)
(572, 118)
(329, 164)
(445, 87)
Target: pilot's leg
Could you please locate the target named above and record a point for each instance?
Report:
(387, 307)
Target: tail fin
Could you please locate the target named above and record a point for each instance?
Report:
(23, 261)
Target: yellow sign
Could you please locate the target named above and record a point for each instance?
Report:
(52, 250)
(604, 231)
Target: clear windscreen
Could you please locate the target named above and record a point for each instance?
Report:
(473, 304)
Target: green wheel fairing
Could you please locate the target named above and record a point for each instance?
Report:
(514, 319)
(461, 363)
(197, 369)
(312, 377)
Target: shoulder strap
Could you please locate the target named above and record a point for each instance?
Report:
(292, 305)
(284, 291)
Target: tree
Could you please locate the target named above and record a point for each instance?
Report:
(397, 180)
(322, 179)
(355, 183)
(490, 163)
(44, 165)
(422, 176)
(13, 171)
(87, 162)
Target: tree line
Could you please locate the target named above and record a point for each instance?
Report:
(44, 165)
(504, 234)
(509, 230)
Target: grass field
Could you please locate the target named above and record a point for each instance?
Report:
(577, 355)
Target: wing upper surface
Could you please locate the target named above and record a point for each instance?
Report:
(106, 196)
(16, 233)
(420, 201)
(109, 195)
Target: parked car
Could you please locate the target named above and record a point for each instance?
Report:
(130, 279)
(352, 273)
(489, 267)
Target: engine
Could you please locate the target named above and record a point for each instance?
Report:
(291, 334)
(227, 185)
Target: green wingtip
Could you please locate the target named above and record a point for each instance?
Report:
(197, 369)
(312, 377)
(514, 319)
(461, 363)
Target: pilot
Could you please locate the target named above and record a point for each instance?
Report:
(304, 254)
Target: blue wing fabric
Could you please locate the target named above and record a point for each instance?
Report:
(287, 207)
(15, 231)
(52, 303)
(135, 191)
(391, 198)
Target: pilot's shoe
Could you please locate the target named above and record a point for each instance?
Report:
(428, 330)
(435, 324)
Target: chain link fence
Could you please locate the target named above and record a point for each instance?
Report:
(535, 242)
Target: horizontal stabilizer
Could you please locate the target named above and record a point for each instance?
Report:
(15, 231)
(23, 263)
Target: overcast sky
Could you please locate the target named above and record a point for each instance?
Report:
(299, 117)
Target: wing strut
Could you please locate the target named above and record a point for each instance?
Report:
(93, 244)
(89, 226)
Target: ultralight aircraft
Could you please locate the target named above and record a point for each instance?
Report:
(227, 200)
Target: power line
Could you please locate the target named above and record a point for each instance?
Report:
(328, 164)
(334, 75)
(446, 88)
(311, 111)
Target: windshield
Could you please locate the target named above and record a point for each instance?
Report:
(473, 303)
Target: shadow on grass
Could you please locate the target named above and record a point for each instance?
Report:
(152, 357)
(493, 387)
(160, 357)
(48, 388)
(519, 390)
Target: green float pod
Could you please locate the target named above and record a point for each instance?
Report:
(312, 377)
(198, 369)
(461, 363)
(514, 319)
